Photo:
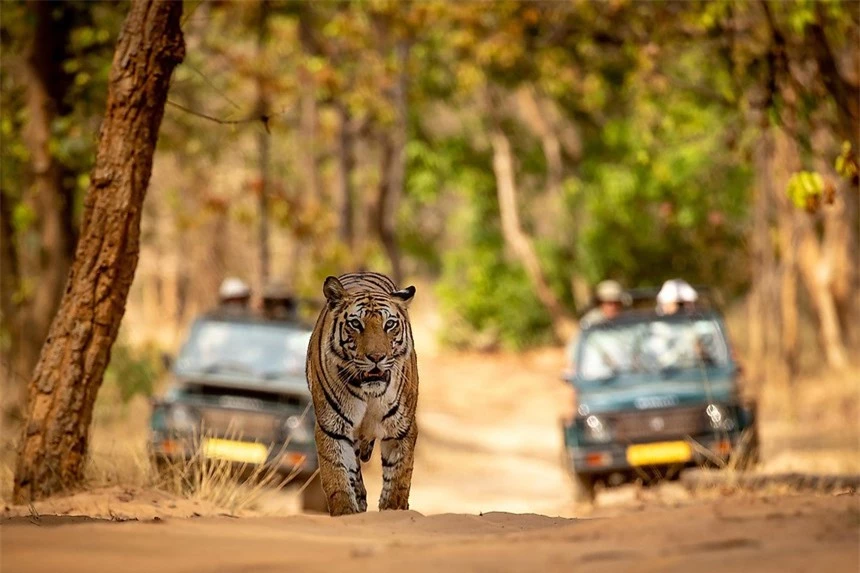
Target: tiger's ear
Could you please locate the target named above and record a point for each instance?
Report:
(333, 291)
(404, 295)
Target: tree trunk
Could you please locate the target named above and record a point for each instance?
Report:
(70, 369)
(51, 192)
(814, 260)
(308, 197)
(394, 168)
(345, 165)
(516, 238)
(263, 150)
(817, 273)
(12, 384)
(759, 242)
(788, 300)
(556, 134)
(530, 111)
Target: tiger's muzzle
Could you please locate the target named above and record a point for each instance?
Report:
(366, 378)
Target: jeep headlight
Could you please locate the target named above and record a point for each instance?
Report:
(297, 429)
(597, 429)
(719, 417)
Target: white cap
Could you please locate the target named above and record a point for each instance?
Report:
(676, 290)
(233, 287)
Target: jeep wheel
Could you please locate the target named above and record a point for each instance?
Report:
(583, 487)
(313, 497)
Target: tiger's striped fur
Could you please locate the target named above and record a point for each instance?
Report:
(363, 378)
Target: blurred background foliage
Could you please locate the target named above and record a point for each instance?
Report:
(635, 140)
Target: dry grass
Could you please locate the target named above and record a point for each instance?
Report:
(119, 461)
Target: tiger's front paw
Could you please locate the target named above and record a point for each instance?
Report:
(397, 499)
(341, 503)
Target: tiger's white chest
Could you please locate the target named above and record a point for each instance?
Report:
(372, 424)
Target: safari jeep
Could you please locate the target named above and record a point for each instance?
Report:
(654, 394)
(238, 393)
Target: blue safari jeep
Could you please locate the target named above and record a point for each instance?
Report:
(654, 394)
(238, 393)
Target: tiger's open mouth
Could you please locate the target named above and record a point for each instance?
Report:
(375, 376)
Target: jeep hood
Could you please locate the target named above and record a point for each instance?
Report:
(295, 385)
(653, 392)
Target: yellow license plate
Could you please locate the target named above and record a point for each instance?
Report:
(659, 453)
(231, 450)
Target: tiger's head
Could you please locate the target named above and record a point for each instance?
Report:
(370, 333)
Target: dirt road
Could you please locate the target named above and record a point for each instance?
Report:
(800, 533)
(489, 443)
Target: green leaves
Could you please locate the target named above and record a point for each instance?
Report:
(808, 189)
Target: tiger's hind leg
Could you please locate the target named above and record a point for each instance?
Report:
(398, 457)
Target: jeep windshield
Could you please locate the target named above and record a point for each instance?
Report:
(662, 346)
(260, 350)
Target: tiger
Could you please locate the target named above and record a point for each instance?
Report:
(362, 373)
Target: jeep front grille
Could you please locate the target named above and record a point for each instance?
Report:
(240, 425)
(659, 424)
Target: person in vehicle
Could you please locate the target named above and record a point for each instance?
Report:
(610, 301)
(675, 295)
(234, 297)
(609, 296)
(279, 303)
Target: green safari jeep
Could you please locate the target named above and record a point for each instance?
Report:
(654, 394)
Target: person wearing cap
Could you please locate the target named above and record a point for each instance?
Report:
(609, 296)
(610, 300)
(234, 296)
(279, 303)
(674, 295)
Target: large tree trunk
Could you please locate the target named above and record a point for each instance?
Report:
(761, 258)
(813, 258)
(51, 193)
(517, 239)
(72, 363)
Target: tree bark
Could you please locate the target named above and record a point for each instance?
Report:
(72, 363)
(517, 239)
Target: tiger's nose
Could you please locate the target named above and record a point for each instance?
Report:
(376, 358)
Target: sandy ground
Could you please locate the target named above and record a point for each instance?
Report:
(487, 475)
(764, 534)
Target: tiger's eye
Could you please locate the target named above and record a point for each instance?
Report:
(391, 323)
(356, 324)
